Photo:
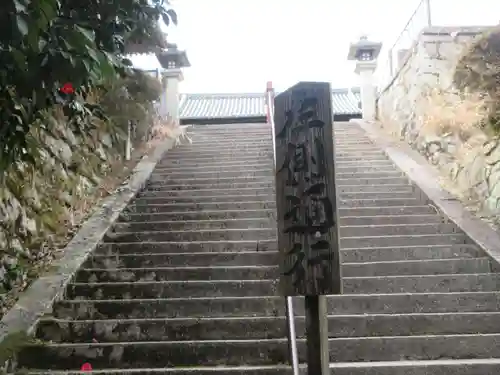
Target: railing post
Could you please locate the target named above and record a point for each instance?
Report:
(290, 316)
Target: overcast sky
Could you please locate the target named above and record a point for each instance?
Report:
(238, 45)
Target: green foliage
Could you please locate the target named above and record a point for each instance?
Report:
(56, 148)
(46, 43)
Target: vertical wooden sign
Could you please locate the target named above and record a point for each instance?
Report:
(308, 234)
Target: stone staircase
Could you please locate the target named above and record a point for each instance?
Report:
(185, 282)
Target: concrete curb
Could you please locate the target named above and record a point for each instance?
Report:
(37, 300)
(422, 174)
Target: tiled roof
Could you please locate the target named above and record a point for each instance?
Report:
(210, 106)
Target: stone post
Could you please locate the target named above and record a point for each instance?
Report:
(365, 70)
(169, 101)
(365, 53)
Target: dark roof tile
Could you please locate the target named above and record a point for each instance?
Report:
(210, 106)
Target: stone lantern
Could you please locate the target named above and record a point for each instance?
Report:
(365, 53)
(173, 61)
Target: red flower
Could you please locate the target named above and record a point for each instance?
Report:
(86, 367)
(67, 88)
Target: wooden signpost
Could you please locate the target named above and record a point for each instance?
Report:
(308, 234)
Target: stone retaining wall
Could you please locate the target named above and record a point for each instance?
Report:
(422, 107)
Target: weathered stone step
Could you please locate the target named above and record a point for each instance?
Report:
(200, 215)
(396, 229)
(158, 186)
(266, 172)
(142, 206)
(215, 168)
(161, 181)
(410, 253)
(187, 247)
(243, 169)
(265, 221)
(351, 285)
(222, 154)
(417, 267)
(255, 352)
(263, 327)
(162, 193)
(403, 240)
(198, 235)
(254, 194)
(223, 181)
(436, 367)
(401, 180)
(391, 219)
(107, 257)
(271, 212)
(238, 162)
(190, 273)
(146, 269)
(161, 199)
(240, 258)
(172, 289)
(275, 306)
(220, 161)
(216, 152)
(358, 243)
(159, 232)
(190, 225)
(191, 207)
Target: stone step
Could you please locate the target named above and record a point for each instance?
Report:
(190, 225)
(223, 181)
(265, 172)
(158, 273)
(106, 256)
(222, 154)
(410, 253)
(255, 352)
(403, 240)
(358, 243)
(255, 234)
(200, 215)
(220, 161)
(436, 367)
(249, 197)
(263, 327)
(255, 194)
(240, 258)
(417, 267)
(244, 168)
(146, 269)
(238, 288)
(142, 206)
(239, 162)
(187, 247)
(271, 212)
(150, 232)
(228, 184)
(215, 168)
(231, 189)
(362, 304)
(265, 221)
(391, 220)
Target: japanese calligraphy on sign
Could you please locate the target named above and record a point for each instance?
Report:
(305, 191)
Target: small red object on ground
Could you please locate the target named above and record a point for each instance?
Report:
(86, 367)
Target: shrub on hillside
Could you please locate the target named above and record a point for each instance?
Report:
(478, 71)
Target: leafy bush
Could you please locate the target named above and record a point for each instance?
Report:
(58, 41)
(56, 147)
